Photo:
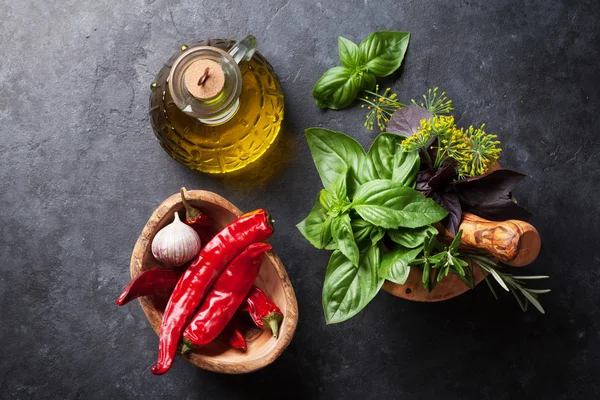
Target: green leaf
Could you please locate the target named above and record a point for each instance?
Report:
(456, 241)
(387, 160)
(316, 227)
(532, 300)
(406, 167)
(337, 88)
(411, 237)
(332, 245)
(498, 278)
(348, 288)
(395, 264)
(368, 80)
(339, 187)
(341, 230)
(335, 154)
(349, 53)
(362, 232)
(383, 51)
(390, 204)
(376, 235)
(326, 199)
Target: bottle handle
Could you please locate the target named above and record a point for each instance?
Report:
(243, 49)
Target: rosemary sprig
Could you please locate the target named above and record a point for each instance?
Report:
(381, 107)
(437, 105)
(511, 283)
(446, 260)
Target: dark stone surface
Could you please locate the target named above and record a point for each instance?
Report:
(81, 172)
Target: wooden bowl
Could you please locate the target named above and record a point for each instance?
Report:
(513, 242)
(263, 348)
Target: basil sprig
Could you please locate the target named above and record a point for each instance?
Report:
(378, 55)
(367, 196)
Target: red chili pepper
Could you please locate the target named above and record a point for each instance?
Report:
(152, 281)
(195, 218)
(224, 298)
(263, 311)
(203, 272)
(235, 332)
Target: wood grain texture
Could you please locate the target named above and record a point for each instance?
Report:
(513, 242)
(262, 348)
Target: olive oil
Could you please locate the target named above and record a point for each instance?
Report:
(220, 147)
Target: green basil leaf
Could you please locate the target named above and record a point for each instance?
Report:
(406, 167)
(390, 204)
(395, 264)
(383, 51)
(341, 230)
(332, 245)
(335, 154)
(349, 288)
(337, 88)
(316, 227)
(326, 199)
(362, 232)
(339, 187)
(350, 55)
(368, 80)
(411, 237)
(376, 235)
(390, 162)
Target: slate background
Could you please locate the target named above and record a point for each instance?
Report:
(80, 173)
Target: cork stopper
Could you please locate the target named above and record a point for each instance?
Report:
(204, 79)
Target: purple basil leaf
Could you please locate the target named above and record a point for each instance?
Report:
(487, 188)
(500, 210)
(445, 174)
(450, 201)
(423, 178)
(406, 120)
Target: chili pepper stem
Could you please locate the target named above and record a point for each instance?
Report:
(273, 319)
(186, 346)
(191, 213)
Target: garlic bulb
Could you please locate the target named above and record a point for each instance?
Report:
(176, 243)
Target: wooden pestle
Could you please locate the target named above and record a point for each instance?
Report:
(513, 242)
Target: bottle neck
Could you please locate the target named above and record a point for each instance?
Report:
(205, 83)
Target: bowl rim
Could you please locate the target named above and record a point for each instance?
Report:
(290, 320)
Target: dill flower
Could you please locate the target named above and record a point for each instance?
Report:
(483, 151)
(437, 105)
(381, 107)
(419, 139)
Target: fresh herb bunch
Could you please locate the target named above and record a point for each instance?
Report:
(457, 162)
(473, 148)
(367, 195)
(379, 55)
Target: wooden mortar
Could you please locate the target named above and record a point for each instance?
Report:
(513, 242)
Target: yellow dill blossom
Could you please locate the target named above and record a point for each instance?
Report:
(381, 107)
(419, 139)
(436, 105)
(483, 151)
(473, 149)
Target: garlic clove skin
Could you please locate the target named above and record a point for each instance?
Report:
(176, 243)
